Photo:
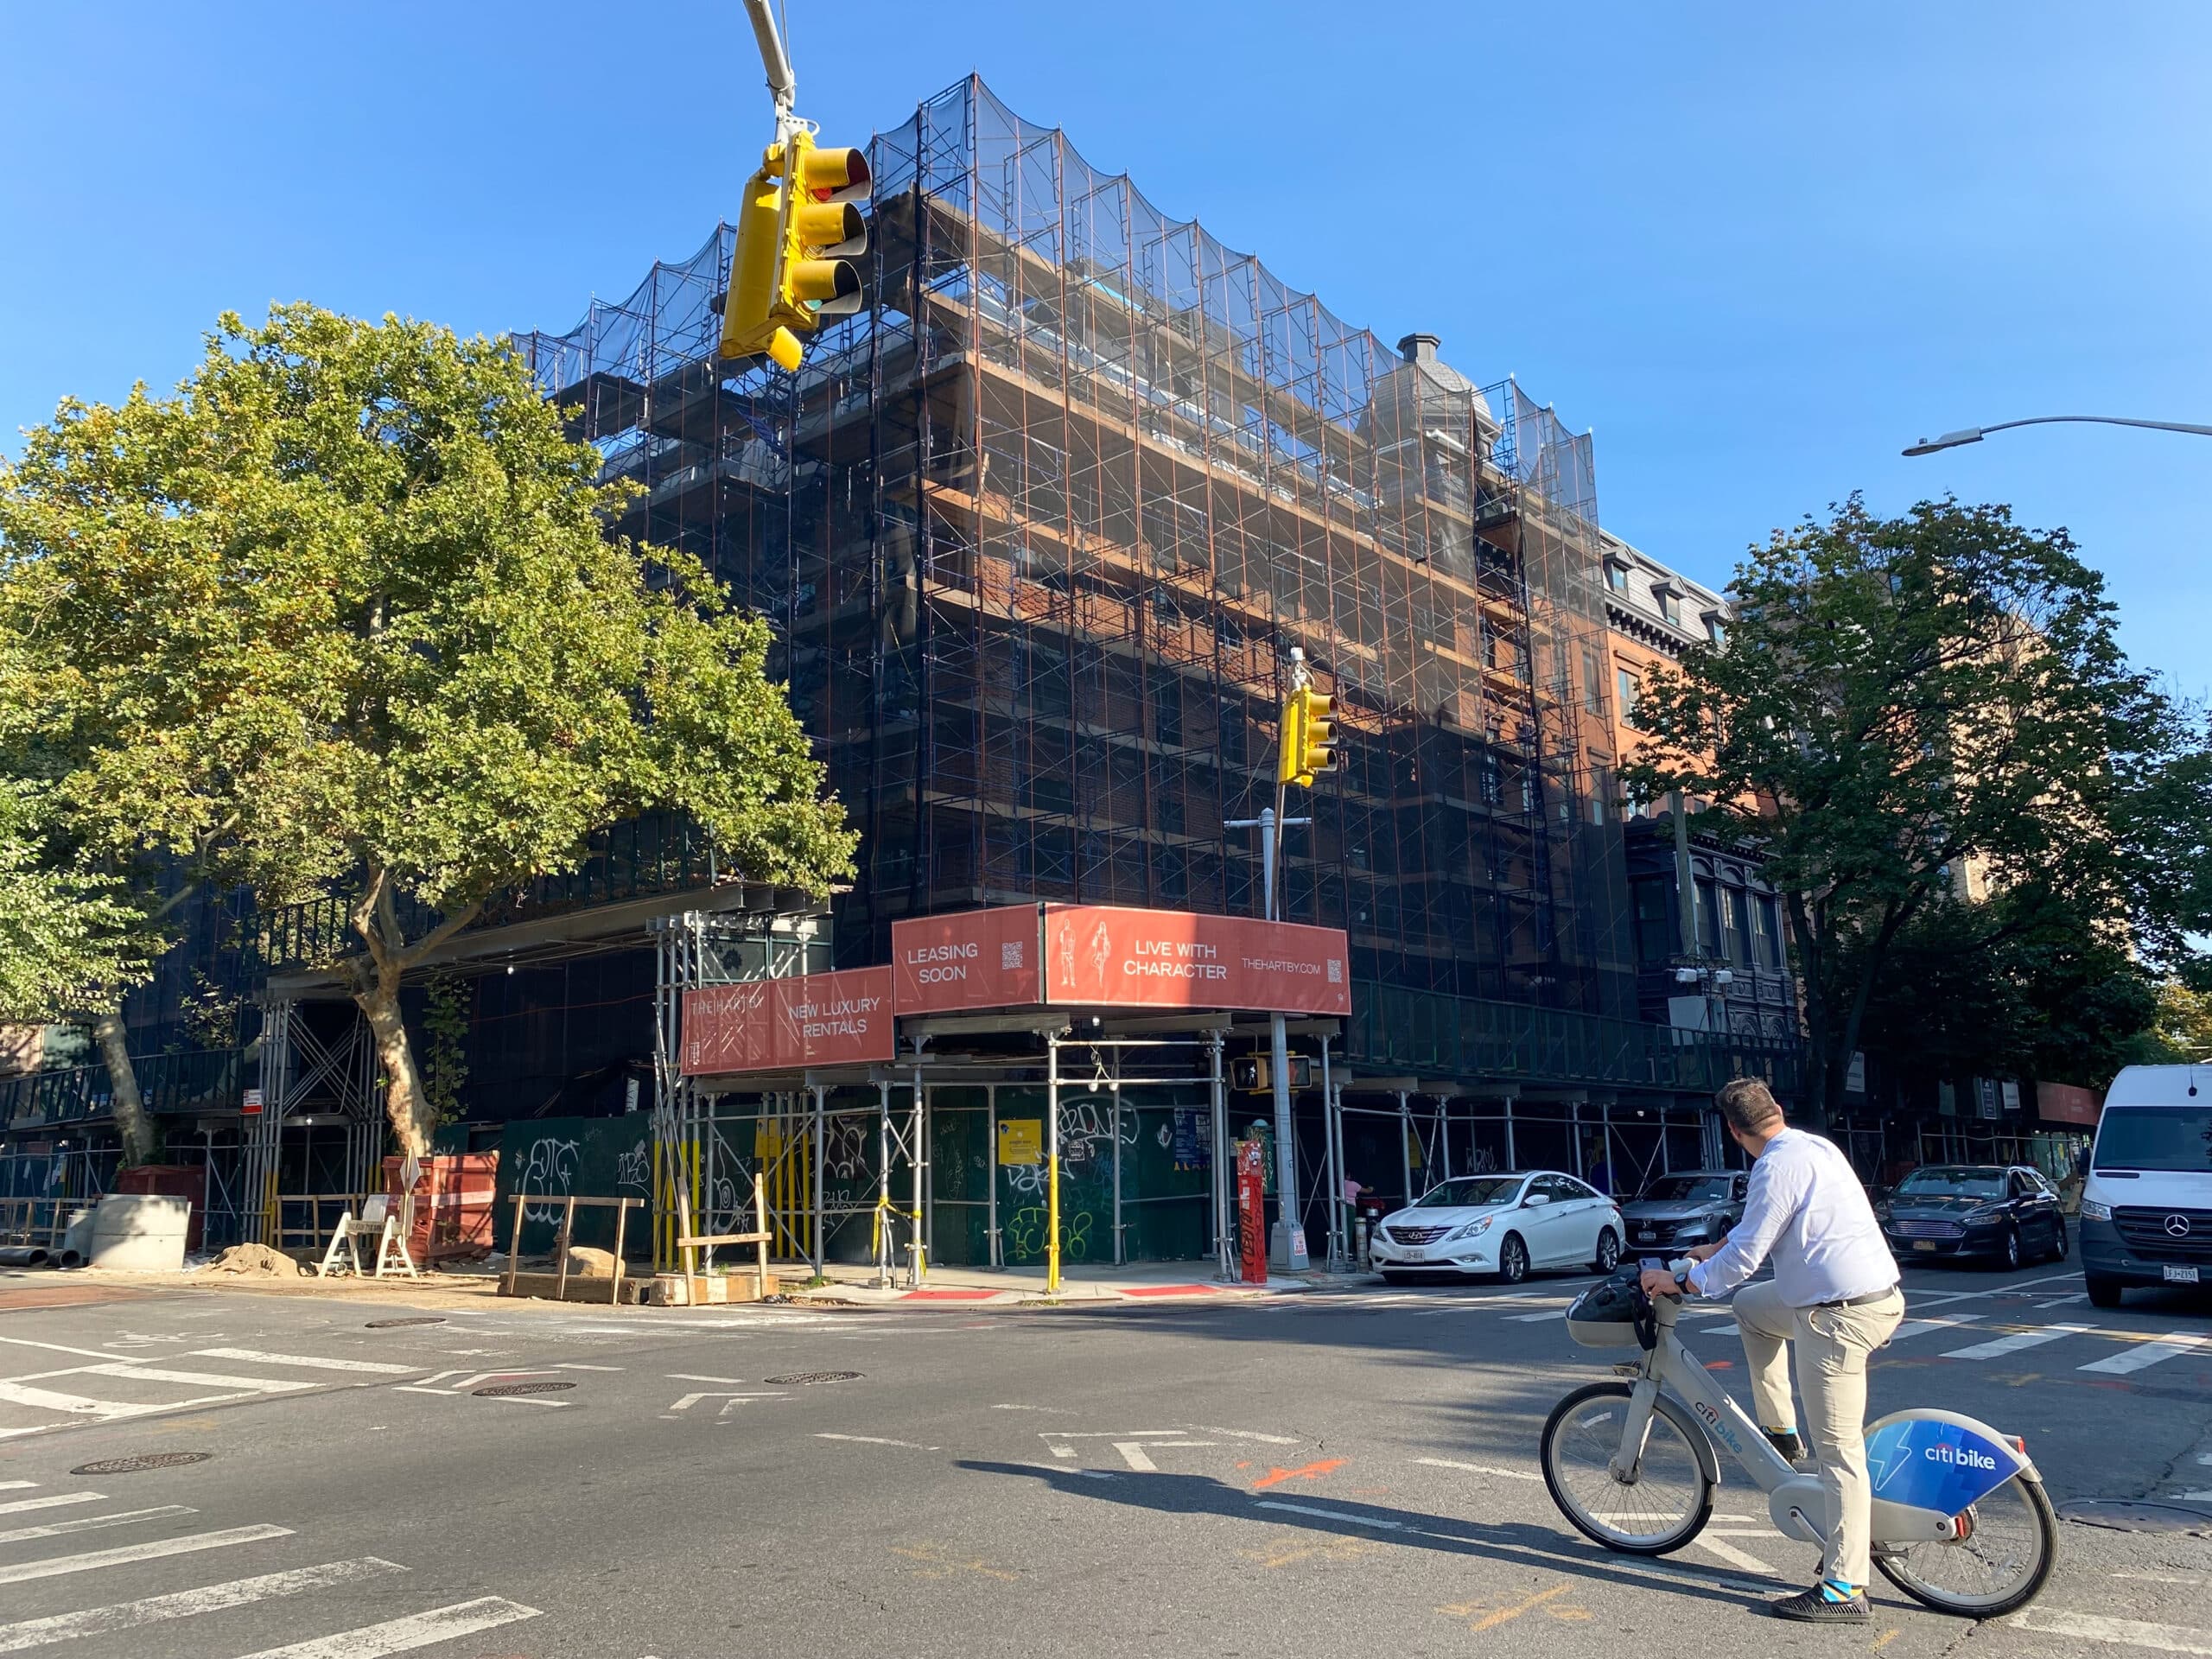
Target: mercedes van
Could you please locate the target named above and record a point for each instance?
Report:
(2146, 1202)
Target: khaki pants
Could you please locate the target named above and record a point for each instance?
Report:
(1832, 1344)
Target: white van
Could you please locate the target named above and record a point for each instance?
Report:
(2147, 1203)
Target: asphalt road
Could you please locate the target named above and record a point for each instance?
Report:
(1349, 1472)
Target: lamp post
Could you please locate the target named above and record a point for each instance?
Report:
(1975, 434)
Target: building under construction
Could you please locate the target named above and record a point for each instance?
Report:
(1039, 529)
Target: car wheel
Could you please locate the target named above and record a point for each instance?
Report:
(1609, 1252)
(1512, 1260)
(2058, 1240)
(2009, 1251)
(2103, 1293)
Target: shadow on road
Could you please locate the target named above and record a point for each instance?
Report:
(1514, 1543)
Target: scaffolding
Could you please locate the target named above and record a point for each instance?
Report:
(1039, 526)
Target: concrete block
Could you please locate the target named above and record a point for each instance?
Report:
(140, 1232)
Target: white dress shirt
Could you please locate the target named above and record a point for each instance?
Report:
(1807, 1209)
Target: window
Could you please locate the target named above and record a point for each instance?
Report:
(1594, 682)
(1670, 603)
(1766, 931)
(1654, 908)
(1736, 925)
(1715, 630)
(1625, 684)
(1708, 920)
(1617, 576)
(1601, 792)
(1167, 709)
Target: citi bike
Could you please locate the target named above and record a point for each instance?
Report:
(1961, 1523)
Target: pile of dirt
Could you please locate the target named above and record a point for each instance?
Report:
(257, 1260)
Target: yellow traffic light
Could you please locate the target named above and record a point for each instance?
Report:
(749, 326)
(1317, 735)
(796, 231)
(1290, 739)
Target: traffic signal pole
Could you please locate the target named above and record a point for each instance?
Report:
(783, 86)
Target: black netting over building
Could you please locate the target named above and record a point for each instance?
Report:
(1039, 527)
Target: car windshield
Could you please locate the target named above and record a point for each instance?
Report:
(2155, 1137)
(1953, 1183)
(1469, 1191)
(1687, 1189)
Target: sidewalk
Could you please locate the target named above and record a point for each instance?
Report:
(964, 1287)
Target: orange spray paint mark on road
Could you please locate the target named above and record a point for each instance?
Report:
(1310, 1471)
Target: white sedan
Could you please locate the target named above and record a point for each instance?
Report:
(1502, 1225)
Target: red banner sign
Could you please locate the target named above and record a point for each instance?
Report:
(779, 1025)
(969, 959)
(2061, 1102)
(1103, 954)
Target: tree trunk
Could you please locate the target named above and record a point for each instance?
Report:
(130, 1119)
(412, 1120)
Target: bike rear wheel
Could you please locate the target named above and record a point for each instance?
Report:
(1997, 1567)
(1671, 1498)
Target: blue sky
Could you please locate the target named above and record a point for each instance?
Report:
(1758, 248)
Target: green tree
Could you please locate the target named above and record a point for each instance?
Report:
(342, 616)
(71, 940)
(1906, 708)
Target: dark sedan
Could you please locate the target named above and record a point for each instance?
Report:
(1985, 1212)
(1697, 1206)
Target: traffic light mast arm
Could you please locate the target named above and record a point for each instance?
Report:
(783, 86)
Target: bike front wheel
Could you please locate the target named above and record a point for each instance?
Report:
(1995, 1566)
(1667, 1504)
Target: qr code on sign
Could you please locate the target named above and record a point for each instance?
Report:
(1010, 954)
(1336, 971)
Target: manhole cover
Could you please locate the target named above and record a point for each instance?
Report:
(2120, 1516)
(144, 1460)
(817, 1377)
(393, 1324)
(502, 1390)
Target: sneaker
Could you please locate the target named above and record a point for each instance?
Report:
(1817, 1607)
(1785, 1441)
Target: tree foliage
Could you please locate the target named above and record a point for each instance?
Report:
(342, 617)
(70, 937)
(1909, 715)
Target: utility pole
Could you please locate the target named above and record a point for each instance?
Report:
(1302, 746)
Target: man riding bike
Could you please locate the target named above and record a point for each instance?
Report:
(1834, 1295)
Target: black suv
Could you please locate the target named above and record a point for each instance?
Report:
(1991, 1213)
(1697, 1206)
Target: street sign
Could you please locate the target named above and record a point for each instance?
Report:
(1021, 1141)
(250, 1103)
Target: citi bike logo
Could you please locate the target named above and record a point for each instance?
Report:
(1713, 1422)
(1964, 1456)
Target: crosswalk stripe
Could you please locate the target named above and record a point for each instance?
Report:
(2172, 1346)
(258, 1384)
(405, 1634)
(53, 1502)
(90, 1524)
(1921, 1327)
(16, 1486)
(2013, 1344)
(255, 1357)
(92, 1560)
(76, 1405)
(183, 1603)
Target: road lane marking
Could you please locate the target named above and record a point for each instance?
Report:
(561, 1365)
(77, 1405)
(258, 1384)
(1133, 1453)
(1728, 1553)
(2172, 1345)
(255, 1356)
(1997, 1348)
(2127, 1632)
(92, 1560)
(691, 1399)
(183, 1603)
(1480, 1468)
(1330, 1515)
(24, 1486)
(62, 1347)
(1536, 1318)
(687, 1376)
(877, 1439)
(405, 1635)
(91, 1523)
(53, 1502)
(1921, 1327)
(1254, 1435)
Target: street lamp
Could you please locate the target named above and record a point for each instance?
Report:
(1975, 434)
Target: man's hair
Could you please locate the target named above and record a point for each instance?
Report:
(1747, 1103)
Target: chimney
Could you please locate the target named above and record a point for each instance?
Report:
(1419, 348)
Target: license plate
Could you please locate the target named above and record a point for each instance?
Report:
(1923, 1243)
(1414, 1254)
(2182, 1276)
(1647, 1239)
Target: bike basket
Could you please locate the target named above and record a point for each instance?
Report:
(1603, 1316)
